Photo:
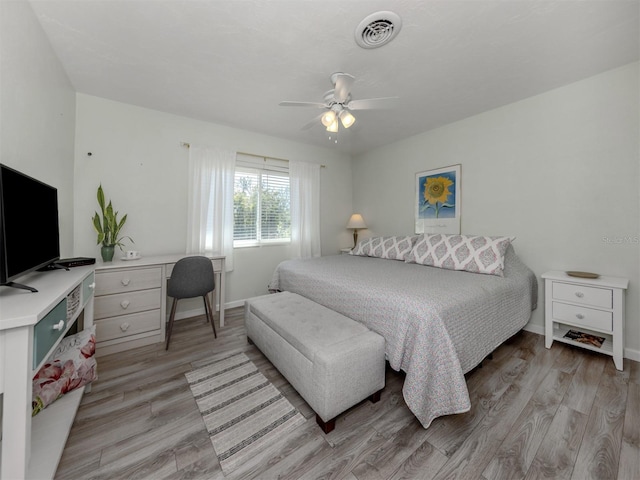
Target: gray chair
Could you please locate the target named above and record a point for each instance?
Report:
(191, 277)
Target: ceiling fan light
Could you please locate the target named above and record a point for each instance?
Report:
(347, 119)
(333, 128)
(328, 118)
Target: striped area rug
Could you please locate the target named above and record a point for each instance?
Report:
(242, 410)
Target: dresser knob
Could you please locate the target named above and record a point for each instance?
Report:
(579, 316)
(124, 327)
(125, 281)
(59, 325)
(124, 303)
(579, 294)
(92, 286)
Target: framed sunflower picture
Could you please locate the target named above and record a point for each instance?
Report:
(438, 200)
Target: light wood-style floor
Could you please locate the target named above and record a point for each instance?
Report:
(536, 413)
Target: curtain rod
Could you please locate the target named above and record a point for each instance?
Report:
(188, 145)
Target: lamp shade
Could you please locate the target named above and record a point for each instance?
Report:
(333, 128)
(328, 118)
(356, 221)
(347, 119)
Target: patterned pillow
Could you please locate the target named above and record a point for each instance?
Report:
(475, 254)
(392, 248)
(71, 365)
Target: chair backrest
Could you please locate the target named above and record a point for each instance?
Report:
(191, 277)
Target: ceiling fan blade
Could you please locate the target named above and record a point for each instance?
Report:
(344, 81)
(372, 103)
(312, 123)
(302, 104)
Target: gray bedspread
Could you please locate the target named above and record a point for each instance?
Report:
(438, 324)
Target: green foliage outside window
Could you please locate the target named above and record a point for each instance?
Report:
(261, 207)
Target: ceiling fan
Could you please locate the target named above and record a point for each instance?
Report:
(338, 104)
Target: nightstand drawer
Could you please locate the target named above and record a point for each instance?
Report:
(128, 280)
(598, 297)
(586, 317)
(125, 303)
(126, 325)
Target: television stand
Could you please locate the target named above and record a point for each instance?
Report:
(31, 447)
(19, 285)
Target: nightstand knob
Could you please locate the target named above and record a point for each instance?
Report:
(59, 325)
(579, 316)
(124, 327)
(124, 303)
(125, 281)
(579, 294)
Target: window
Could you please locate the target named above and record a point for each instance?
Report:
(261, 202)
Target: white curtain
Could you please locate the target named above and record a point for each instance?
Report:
(210, 209)
(305, 209)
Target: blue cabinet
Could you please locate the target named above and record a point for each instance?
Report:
(48, 330)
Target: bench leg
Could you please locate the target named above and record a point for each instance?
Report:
(326, 426)
(375, 397)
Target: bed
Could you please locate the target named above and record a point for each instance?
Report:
(438, 323)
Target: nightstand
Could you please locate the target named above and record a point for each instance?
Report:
(595, 307)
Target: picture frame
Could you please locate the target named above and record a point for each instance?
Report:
(438, 200)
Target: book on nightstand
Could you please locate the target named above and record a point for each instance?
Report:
(587, 338)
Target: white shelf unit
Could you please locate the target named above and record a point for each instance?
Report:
(592, 306)
(31, 447)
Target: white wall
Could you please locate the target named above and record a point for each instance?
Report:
(136, 155)
(37, 110)
(560, 171)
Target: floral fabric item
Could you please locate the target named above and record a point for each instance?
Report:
(476, 254)
(392, 248)
(71, 365)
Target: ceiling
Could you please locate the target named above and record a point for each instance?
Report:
(231, 62)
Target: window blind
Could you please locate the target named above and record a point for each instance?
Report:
(262, 212)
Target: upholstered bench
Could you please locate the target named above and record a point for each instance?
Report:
(332, 361)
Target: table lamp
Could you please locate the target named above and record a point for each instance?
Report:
(356, 222)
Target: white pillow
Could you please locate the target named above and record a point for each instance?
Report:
(475, 254)
(392, 248)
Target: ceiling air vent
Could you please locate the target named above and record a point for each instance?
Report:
(378, 29)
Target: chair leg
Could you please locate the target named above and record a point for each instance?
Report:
(209, 312)
(170, 326)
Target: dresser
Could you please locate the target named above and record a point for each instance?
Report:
(594, 307)
(31, 326)
(131, 298)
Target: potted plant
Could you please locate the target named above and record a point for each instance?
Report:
(108, 228)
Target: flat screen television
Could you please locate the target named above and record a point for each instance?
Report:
(29, 232)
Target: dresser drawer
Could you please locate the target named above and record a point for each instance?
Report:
(125, 303)
(109, 282)
(586, 317)
(48, 330)
(126, 325)
(598, 297)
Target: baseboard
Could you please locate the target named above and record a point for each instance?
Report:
(194, 312)
(189, 313)
(539, 329)
(631, 354)
(237, 303)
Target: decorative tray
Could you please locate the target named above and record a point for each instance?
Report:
(582, 274)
